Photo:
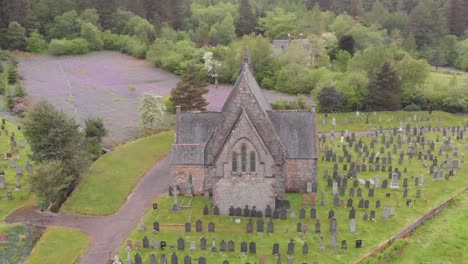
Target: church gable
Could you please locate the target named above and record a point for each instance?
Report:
(244, 152)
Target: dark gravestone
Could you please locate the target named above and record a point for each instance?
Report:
(351, 192)
(188, 228)
(367, 184)
(313, 213)
(243, 247)
(275, 214)
(156, 226)
(361, 203)
(270, 227)
(405, 193)
(372, 215)
(359, 192)
(252, 248)
(291, 247)
(238, 211)
(187, 260)
(344, 244)
(331, 214)
(317, 226)
(299, 227)
(203, 243)
(260, 225)
(250, 226)
(253, 212)
(232, 211)
(153, 259)
(352, 213)
(342, 190)
(202, 260)
(349, 203)
(223, 246)
(180, 244)
(138, 259)
(302, 213)
(385, 184)
(355, 183)
(405, 182)
(305, 248)
(231, 246)
(206, 211)
(199, 226)
(146, 242)
(174, 258)
(371, 192)
(366, 204)
(211, 227)
(365, 217)
(268, 211)
(377, 204)
(275, 250)
(216, 210)
(283, 215)
(163, 259)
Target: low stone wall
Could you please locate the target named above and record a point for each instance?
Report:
(408, 229)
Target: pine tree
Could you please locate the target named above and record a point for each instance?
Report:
(189, 92)
(106, 9)
(456, 19)
(384, 89)
(247, 20)
(180, 13)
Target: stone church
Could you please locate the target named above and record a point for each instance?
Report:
(247, 153)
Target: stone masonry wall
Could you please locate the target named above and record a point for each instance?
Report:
(180, 176)
(298, 173)
(242, 191)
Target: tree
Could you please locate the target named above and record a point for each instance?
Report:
(95, 129)
(12, 75)
(347, 43)
(152, 110)
(342, 60)
(105, 9)
(212, 66)
(36, 43)
(65, 26)
(330, 99)
(92, 34)
(426, 23)
(16, 36)
(354, 8)
(277, 23)
(224, 32)
(90, 16)
(50, 182)
(53, 135)
(19, 11)
(189, 92)
(384, 89)
(248, 20)
(456, 17)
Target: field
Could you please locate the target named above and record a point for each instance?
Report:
(371, 232)
(424, 245)
(122, 167)
(59, 245)
(96, 85)
(443, 81)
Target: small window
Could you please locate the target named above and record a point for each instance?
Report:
(244, 158)
(252, 161)
(234, 162)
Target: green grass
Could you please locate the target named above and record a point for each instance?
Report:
(59, 245)
(23, 196)
(442, 239)
(444, 80)
(122, 167)
(390, 120)
(372, 233)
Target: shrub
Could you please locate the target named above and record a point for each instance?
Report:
(36, 43)
(59, 47)
(136, 48)
(412, 107)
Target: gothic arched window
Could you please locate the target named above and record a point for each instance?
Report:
(244, 158)
(234, 161)
(252, 161)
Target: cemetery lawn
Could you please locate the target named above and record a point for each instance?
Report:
(105, 187)
(390, 120)
(59, 245)
(371, 232)
(22, 196)
(424, 245)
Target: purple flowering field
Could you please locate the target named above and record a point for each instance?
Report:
(96, 85)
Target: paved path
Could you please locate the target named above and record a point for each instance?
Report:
(107, 232)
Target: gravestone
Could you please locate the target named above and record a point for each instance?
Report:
(180, 243)
(371, 193)
(188, 227)
(268, 212)
(138, 259)
(154, 243)
(333, 226)
(146, 242)
(359, 192)
(206, 211)
(250, 226)
(244, 247)
(199, 226)
(231, 246)
(351, 192)
(223, 246)
(275, 250)
(317, 226)
(394, 183)
(385, 183)
(372, 215)
(291, 247)
(202, 260)
(302, 213)
(203, 243)
(260, 224)
(252, 248)
(366, 204)
(153, 259)
(193, 246)
(299, 227)
(216, 210)
(333, 240)
(238, 211)
(377, 182)
(377, 204)
(187, 260)
(156, 226)
(365, 217)
(352, 213)
(331, 214)
(313, 213)
(174, 258)
(211, 227)
(352, 227)
(246, 211)
(405, 193)
(270, 227)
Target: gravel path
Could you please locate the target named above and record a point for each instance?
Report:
(107, 232)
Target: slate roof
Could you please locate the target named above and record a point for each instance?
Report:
(295, 130)
(196, 127)
(187, 154)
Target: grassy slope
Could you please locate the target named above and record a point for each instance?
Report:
(442, 239)
(122, 167)
(350, 122)
(372, 233)
(59, 245)
(20, 197)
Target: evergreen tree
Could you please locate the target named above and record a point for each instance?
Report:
(247, 21)
(189, 92)
(12, 75)
(456, 19)
(16, 36)
(19, 11)
(427, 23)
(384, 89)
(181, 9)
(347, 43)
(106, 9)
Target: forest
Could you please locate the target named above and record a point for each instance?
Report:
(350, 55)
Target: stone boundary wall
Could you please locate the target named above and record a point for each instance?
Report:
(408, 229)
